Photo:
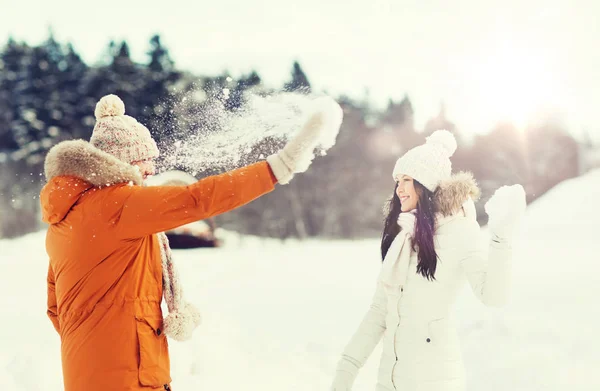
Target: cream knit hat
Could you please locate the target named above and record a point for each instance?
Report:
(121, 135)
(429, 163)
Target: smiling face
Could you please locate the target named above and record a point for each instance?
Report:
(407, 193)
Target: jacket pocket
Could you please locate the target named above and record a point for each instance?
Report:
(154, 363)
(442, 337)
(437, 331)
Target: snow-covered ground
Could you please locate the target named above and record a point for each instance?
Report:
(277, 315)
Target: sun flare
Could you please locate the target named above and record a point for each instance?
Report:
(510, 83)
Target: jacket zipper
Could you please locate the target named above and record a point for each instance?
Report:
(396, 356)
(394, 341)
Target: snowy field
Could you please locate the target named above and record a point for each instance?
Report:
(277, 315)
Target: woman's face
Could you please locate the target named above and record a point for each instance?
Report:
(407, 193)
(146, 167)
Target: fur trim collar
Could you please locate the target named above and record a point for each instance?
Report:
(81, 159)
(454, 192)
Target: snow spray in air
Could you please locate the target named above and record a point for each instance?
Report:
(227, 139)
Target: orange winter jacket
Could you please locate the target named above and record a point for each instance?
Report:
(105, 276)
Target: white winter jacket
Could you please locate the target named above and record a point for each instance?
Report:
(421, 349)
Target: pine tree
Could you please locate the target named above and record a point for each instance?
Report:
(122, 77)
(77, 109)
(157, 97)
(38, 103)
(299, 82)
(552, 156)
(38, 116)
(441, 121)
(397, 124)
(496, 159)
(13, 79)
(235, 99)
(160, 61)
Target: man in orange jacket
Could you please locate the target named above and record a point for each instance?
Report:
(110, 262)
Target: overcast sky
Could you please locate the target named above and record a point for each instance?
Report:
(487, 60)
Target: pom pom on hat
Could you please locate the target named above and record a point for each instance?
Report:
(444, 140)
(121, 135)
(428, 163)
(109, 106)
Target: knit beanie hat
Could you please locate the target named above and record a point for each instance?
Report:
(429, 163)
(121, 135)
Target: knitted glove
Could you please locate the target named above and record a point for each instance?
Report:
(505, 210)
(321, 128)
(345, 375)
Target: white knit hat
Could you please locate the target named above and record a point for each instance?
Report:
(121, 135)
(429, 164)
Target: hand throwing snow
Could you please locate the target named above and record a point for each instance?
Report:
(321, 128)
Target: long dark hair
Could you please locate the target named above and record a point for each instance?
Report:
(424, 229)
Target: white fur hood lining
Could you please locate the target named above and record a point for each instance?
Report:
(81, 159)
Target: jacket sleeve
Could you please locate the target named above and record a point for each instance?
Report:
(363, 342)
(148, 210)
(487, 273)
(51, 306)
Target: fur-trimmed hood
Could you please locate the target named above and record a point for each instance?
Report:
(80, 159)
(452, 193)
(74, 167)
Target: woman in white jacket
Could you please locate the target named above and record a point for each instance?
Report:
(431, 245)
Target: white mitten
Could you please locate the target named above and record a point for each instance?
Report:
(321, 128)
(505, 210)
(345, 375)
